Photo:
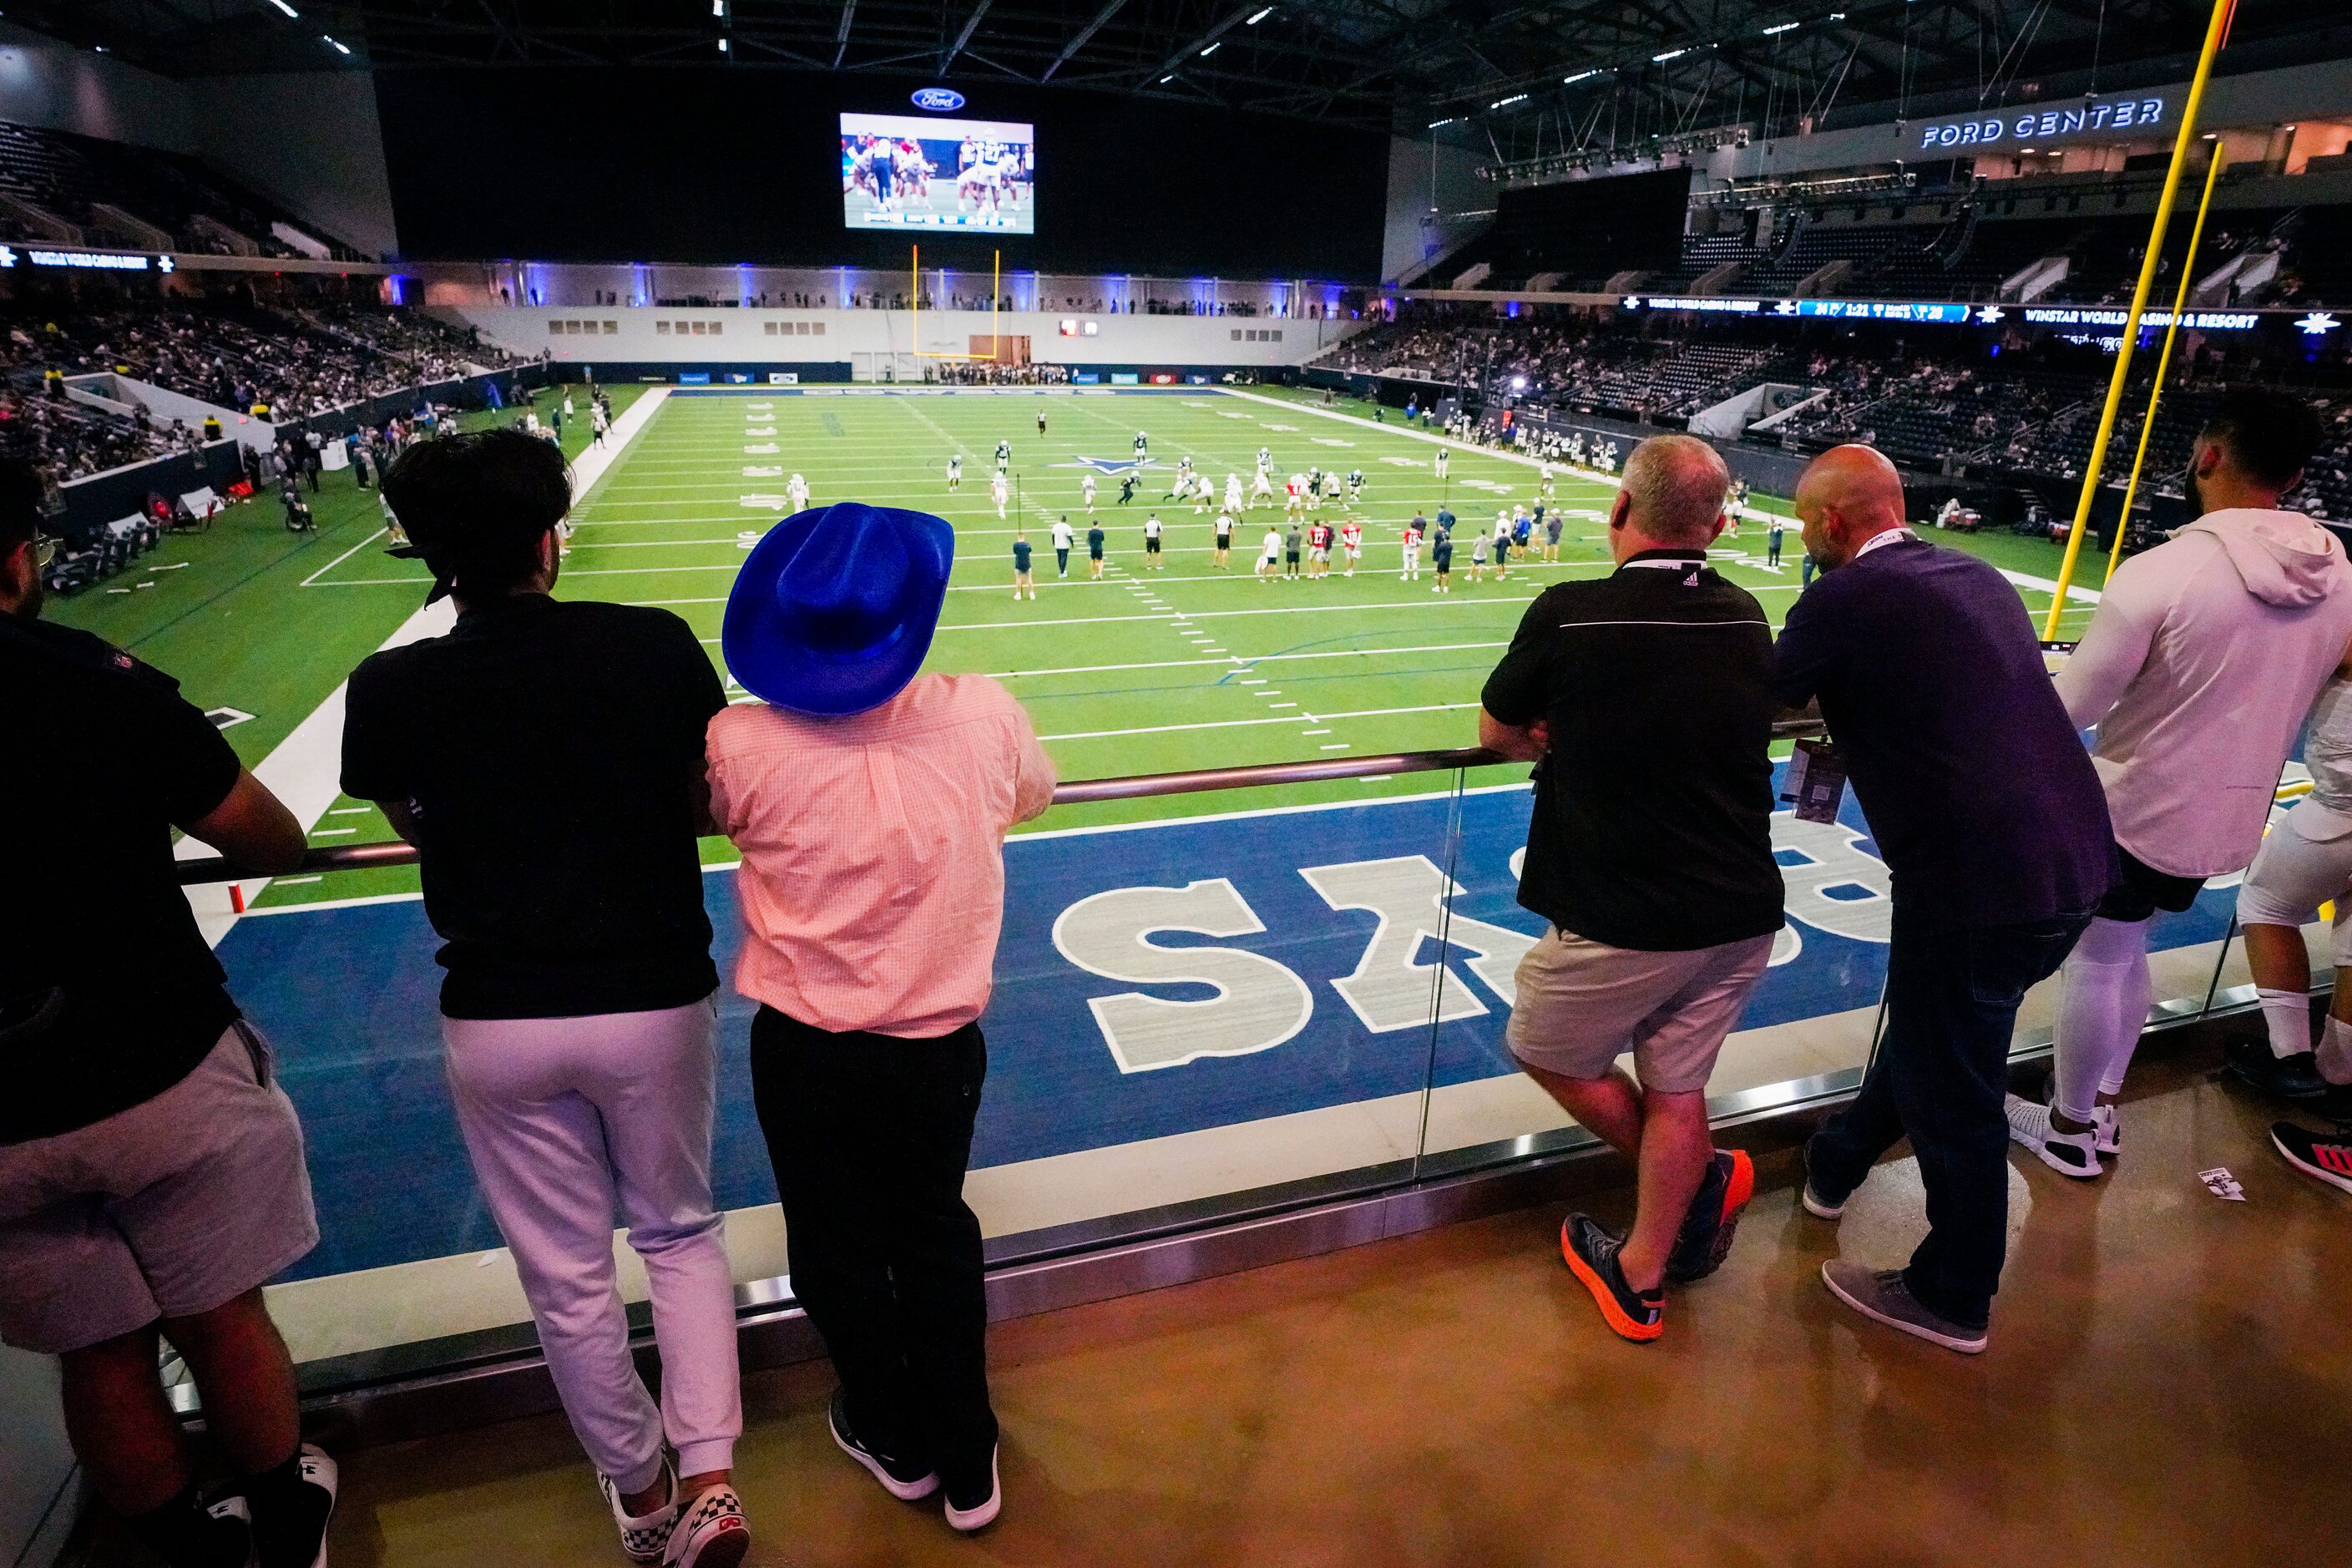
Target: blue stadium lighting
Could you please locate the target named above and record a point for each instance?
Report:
(341, 48)
(285, 8)
(1258, 16)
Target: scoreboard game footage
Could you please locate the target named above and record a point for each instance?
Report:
(913, 172)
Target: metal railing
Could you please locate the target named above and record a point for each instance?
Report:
(1075, 791)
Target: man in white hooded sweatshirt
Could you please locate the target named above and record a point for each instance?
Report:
(2198, 668)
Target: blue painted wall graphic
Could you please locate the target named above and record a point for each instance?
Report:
(1313, 987)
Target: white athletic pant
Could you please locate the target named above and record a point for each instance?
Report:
(570, 1121)
(2293, 875)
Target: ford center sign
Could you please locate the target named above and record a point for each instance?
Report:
(2082, 120)
(938, 100)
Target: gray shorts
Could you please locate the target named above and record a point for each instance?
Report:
(175, 1206)
(1581, 1005)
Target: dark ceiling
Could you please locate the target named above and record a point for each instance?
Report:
(1387, 64)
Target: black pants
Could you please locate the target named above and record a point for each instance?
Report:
(1939, 1077)
(870, 1136)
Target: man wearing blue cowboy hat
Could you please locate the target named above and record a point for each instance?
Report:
(870, 805)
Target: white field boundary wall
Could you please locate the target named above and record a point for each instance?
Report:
(743, 336)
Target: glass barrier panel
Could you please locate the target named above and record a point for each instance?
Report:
(1196, 1017)
(1807, 1028)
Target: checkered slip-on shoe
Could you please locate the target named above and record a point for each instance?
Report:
(711, 1532)
(643, 1536)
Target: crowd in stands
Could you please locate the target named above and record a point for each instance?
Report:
(979, 373)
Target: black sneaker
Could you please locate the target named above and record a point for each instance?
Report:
(974, 1499)
(908, 1480)
(2327, 1157)
(2282, 1077)
(1712, 1217)
(1591, 1253)
(1815, 1203)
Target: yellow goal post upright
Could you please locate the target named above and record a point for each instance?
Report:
(2164, 359)
(2183, 140)
(914, 304)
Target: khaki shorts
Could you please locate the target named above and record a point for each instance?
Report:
(1581, 1005)
(175, 1206)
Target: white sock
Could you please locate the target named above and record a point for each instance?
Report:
(2103, 1005)
(2288, 1015)
(2335, 1050)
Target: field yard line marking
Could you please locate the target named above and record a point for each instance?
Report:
(303, 770)
(346, 555)
(2048, 585)
(1166, 729)
(1446, 441)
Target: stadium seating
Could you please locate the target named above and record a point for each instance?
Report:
(73, 178)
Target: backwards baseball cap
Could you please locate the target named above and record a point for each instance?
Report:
(835, 607)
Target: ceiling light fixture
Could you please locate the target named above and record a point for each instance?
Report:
(1213, 48)
(1580, 76)
(1781, 28)
(341, 48)
(1258, 16)
(285, 8)
(1669, 55)
(1506, 102)
(1166, 79)
(1435, 123)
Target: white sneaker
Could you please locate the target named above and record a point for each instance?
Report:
(970, 1512)
(643, 1536)
(2074, 1154)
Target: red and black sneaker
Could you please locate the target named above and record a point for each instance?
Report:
(1712, 1217)
(1591, 1252)
(2327, 1157)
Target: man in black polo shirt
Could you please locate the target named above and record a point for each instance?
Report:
(546, 758)
(1983, 804)
(1644, 695)
(151, 1170)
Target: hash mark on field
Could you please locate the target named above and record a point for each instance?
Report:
(1340, 746)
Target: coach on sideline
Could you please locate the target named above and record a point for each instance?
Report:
(150, 1172)
(1646, 695)
(870, 805)
(1985, 808)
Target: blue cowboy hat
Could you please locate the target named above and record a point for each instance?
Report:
(835, 608)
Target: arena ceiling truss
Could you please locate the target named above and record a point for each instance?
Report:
(1517, 77)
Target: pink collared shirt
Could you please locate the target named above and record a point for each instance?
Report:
(873, 874)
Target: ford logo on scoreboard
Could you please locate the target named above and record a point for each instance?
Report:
(938, 100)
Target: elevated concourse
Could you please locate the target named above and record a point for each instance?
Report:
(2163, 1387)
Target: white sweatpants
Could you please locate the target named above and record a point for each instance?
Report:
(570, 1121)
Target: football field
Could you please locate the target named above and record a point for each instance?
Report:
(1149, 668)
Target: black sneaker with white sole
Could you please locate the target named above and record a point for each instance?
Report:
(291, 1506)
(2252, 1060)
(1811, 1196)
(908, 1480)
(975, 1496)
(2326, 1157)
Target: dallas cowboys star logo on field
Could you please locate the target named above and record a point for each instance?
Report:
(1108, 468)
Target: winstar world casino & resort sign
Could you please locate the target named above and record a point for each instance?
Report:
(2085, 118)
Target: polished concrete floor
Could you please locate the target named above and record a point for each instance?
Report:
(2169, 1381)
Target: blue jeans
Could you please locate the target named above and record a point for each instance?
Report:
(1940, 1076)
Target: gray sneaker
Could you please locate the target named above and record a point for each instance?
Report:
(1880, 1294)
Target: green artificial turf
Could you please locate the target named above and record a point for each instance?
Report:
(1145, 671)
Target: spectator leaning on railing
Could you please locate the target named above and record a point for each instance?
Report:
(870, 805)
(151, 1171)
(545, 756)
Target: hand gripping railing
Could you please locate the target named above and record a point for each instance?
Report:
(1080, 792)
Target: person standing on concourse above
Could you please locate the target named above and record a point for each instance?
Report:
(1983, 804)
(1644, 698)
(870, 805)
(545, 757)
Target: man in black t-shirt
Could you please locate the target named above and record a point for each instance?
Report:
(546, 759)
(150, 1169)
(1644, 698)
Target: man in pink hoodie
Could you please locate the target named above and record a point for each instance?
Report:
(2198, 668)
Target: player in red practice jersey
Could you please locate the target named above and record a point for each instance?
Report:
(1319, 550)
(1352, 540)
